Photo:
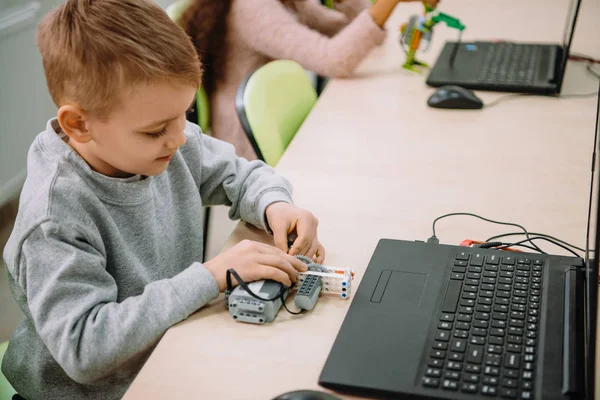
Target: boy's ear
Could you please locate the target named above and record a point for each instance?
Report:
(72, 120)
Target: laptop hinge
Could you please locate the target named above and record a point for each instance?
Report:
(573, 335)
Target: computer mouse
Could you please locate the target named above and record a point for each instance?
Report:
(306, 395)
(454, 97)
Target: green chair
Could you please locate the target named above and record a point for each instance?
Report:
(200, 112)
(6, 391)
(271, 103)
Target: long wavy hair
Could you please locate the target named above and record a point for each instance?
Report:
(205, 22)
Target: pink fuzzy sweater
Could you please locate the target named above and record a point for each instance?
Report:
(329, 42)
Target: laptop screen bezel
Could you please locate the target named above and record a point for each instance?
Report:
(568, 39)
(591, 262)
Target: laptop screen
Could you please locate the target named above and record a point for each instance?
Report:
(591, 260)
(568, 32)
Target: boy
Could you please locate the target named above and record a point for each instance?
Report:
(106, 251)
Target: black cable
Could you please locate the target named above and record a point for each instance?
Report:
(251, 293)
(530, 240)
(455, 49)
(495, 245)
(536, 234)
(487, 220)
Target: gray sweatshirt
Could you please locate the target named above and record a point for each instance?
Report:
(102, 267)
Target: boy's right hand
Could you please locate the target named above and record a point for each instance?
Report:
(254, 261)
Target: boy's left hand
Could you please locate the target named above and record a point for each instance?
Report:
(285, 218)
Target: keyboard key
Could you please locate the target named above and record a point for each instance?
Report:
(479, 332)
(512, 361)
(473, 275)
(502, 293)
(469, 388)
(470, 288)
(456, 357)
(457, 276)
(523, 268)
(475, 354)
(471, 378)
(464, 317)
(509, 383)
(511, 373)
(473, 369)
(465, 310)
(514, 348)
(467, 302)
(453, 365)
(498, 324)
(489, 390)
(451, 299)
(477, 260)
(433, 372)
(529, 358)
(509, 268)
(508, 393)
(497, 340)
(479, 340)
(527, 375)
(530, 350)
(483, 308)
(497, 332)
(520, 293)
(481, 324)
(489, 280)
(528, 366)
(445, 325)
(485, 300)
(474, 269)
(447, 317)
(500, 316)
(504, 286)
(463, 325)
(442, 336)
(436, 363)
(526, 395)
(526, 385)
(491, 371)
(460, 270)
(464, 256)
(515, 331)
(506, 281)
(493, 360)
(452, 375)
(509, 260)
(520, 286)
(482, 316)
(522, 260)
(491, 274)
(460, 263)
(461, 334)
(449, 385)
(438, 354)
(502, 301)
(538, 262)
(493, 259)
(440, 345)
(490, 380)
(431, 382)
(519, 300)
(469, 296)
(491, 268)
(515, 339)
(458, 345)
(473, 282)
(518, 307)
(517, 315)
(487, 286)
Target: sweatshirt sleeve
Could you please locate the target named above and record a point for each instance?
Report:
(279, 35)
(320, 18)
(249, 187)
(72, 300)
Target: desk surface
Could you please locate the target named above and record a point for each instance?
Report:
(373, 161)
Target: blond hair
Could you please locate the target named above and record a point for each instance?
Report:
(94, 50)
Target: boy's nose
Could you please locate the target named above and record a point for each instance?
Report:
(176, 140)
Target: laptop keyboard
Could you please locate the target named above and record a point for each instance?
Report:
(509, 63)
(487, 331)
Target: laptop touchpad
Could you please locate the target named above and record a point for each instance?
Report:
(399, 287)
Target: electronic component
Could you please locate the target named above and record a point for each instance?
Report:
(308, 292)
(246, 308)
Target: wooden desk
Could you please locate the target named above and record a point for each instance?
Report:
(373, 161)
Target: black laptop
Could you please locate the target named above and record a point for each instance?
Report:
(449, 322)
(505, 66)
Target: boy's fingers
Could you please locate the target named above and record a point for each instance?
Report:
(312, 250)
(268, 272)
(281, 263)
(301, 245)
(297, 264)
(280, 238)
(320, 254)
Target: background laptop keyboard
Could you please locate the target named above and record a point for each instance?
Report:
(509, 63)
(487, 332)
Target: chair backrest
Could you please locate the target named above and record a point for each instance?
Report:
(202, 108)
(272, 102)
(6, 390)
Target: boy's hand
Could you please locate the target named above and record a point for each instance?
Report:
(254, 261)
(286, 218)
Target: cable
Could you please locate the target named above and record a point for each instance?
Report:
(484, 219)
(530, 240)
(536, 234)
(251, 293)
(591, 71)
(455, 49)
(517, 95)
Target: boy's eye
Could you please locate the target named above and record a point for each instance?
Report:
(156, 134)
